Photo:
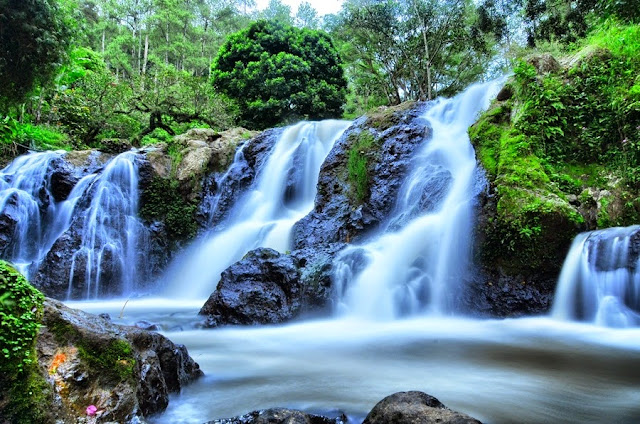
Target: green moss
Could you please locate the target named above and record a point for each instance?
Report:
(112, 359)
(115, 360)
(162, 200)
(387, 117)
(20, 380)
(363, 147)
(603, 219)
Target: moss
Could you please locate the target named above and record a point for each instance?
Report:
(111, 359)
(603, 220)
(163, 201)
(387, 117)
(20, 380)
(360, 158)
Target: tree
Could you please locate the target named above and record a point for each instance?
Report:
(277, 73)
(307, 16)
(33, 38)
(277, 11)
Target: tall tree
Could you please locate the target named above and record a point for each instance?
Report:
(33, 39)
(278, 73)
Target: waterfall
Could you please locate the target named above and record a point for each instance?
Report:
(600, 279)
(99, 216)
(110, 231)
(418, 259)
(283, 193)
(29, 211)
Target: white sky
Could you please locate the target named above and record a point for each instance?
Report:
(322, 6)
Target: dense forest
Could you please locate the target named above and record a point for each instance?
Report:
(78, 72)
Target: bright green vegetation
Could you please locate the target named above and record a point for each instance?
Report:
(20, 380)
(564, 132)
(164, 201)
(363, 145)
(277, 73)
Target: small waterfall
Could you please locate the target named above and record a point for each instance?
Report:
(600, 279)
(415, 262)
(111, 234)
(28, 205)
(283, 193)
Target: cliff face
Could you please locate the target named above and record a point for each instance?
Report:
(560, 149)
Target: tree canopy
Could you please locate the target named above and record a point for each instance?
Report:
(278, 73)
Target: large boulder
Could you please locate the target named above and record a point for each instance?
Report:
(280, 416)
(125, 372)
(268, 287)
(350, 202)
(414, 408)
(264, 287)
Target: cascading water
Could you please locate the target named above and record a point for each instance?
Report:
(27, 203)
(105, 203)
(111, 231)
(418, 259)
(282, 194)
(600, 279)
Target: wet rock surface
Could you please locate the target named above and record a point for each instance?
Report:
(337, 216)
(125, 372)
(414, 408)
(267, 287)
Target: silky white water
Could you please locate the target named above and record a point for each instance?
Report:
(535, 370)
(265, 214)
(600, 282)
(418, 259)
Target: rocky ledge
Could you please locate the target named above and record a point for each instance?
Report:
(115, 373)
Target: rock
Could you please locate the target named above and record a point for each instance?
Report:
(115, 145)
(127, 373)
(315, 265)
(280, 416)
(195, 160)
(338, 215)
(505, 93)
(544, 63)
(414, 408)
(160, 162)
(220, 190)
(263, 288)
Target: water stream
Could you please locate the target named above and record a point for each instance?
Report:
(264, 215)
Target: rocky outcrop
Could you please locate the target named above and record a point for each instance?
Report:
(268, 287)
(349, 203)
(414, 408)
(125, 372)
(280, 416)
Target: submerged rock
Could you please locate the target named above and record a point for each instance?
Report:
(125, 372)
(414, 408)
(280, 416)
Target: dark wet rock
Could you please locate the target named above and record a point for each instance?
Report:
(268, 287)
(505, 93)
(146, 325)
(115, 145)
(280, 416)
(8, 222)
(62, 179)
(264, 287)
(126, 372)
(222, 189)
(338, 215)
(414, 408)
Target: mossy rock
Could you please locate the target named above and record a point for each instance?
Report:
(386, 117)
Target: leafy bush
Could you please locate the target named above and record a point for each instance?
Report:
(277, 73)
(21, 314)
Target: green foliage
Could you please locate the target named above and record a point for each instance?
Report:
(20, 314)
(358, 161)
(158, 135)
(33, 37)
(162, 200)
(277, 73)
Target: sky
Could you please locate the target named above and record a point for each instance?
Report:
(322, 6)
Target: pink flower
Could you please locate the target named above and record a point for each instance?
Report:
(91, 410)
